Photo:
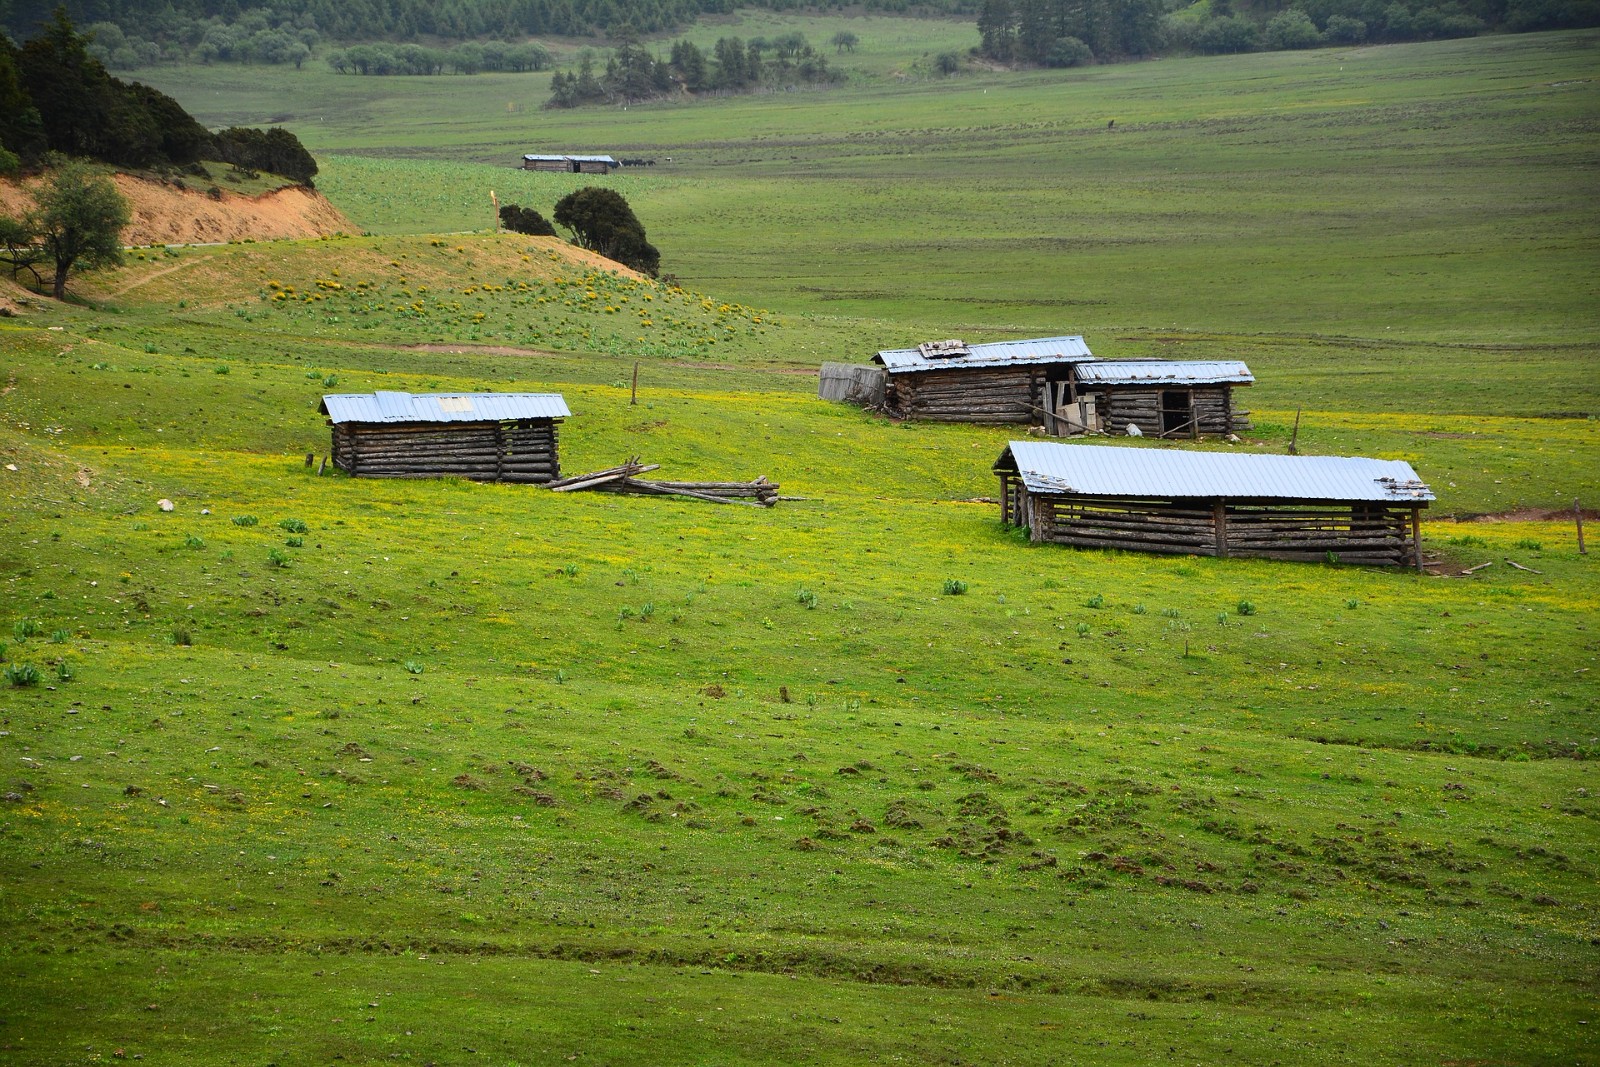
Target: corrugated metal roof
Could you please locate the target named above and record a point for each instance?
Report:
(1164, 371)
(536, 158)
(1106, 470)
(994, 354)
(385, 406)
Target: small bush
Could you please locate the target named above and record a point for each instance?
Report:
(26, 628)
(1083, 629)
(222, 368)
(330, 381)
(293, 526)
(181, 637)
(295, 542)
(245, 520)
(1096, 601)
(277, 557)
(60, 637)
(191, 541)
(1530, 544)
(64, 672)
(806, 598)
(1352, 603)
(21, 675)
(954, 587)
(1246, 607)
(1139, 609)
(413, 666)
(570, 570)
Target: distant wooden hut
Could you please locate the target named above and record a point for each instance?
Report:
(1164, 398)
(485, 437)
(569, 164)
(1054, 382)
(1313, 508)
(952, 381)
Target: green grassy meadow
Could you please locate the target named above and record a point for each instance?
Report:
(319, 769)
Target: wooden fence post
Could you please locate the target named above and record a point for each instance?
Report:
(1577, 513)
(634, 397)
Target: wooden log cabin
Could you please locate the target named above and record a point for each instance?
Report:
(1164, 398)
(570, 164)
(1002, 382)
(1311, 508)
(1054, 382)
(484, 437)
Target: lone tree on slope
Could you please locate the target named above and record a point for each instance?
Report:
(78, 219)
(601, 221)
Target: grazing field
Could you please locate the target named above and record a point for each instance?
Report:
(318, 769)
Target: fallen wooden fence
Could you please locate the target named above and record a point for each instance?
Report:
(624, 479)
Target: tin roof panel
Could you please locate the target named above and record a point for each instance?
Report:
(387, 406)
(1109, 470)
(1164, 372)
(1067, 349)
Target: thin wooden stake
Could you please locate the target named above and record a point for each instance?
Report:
(1294, 438)
(634, 398)
(1577, 513)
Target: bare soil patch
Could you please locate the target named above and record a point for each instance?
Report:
(165, 214)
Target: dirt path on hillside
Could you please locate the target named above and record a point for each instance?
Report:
(162, 273)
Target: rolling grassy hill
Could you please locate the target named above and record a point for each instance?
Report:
(489, 774)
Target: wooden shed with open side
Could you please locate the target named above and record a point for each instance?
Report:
(1163, 397)
(485, 437)
(1313, 508)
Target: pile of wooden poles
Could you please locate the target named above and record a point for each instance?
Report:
(625, 479)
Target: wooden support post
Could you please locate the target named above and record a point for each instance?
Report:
(1294, 438)
(324, 468)
(634, 397)
(1416, 538)
(310, 456)
(1219, 519)
(1577, 513)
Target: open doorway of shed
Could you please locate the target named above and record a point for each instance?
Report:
(1177, 412)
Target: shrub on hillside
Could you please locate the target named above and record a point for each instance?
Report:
(525, 220)
(1291, 29)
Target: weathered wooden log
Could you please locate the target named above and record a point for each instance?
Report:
(612, 474)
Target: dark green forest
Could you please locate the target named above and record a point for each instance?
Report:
(57, 98)
(231, 24)
(1067, 33)
(128, 34)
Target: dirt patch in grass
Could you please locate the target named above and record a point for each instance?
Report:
(165, 214)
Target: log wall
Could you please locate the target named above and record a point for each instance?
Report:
(1368, 534)
(1214, 412)
(995, 396)
(525, 451)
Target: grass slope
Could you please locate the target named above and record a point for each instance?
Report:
(464, 773)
